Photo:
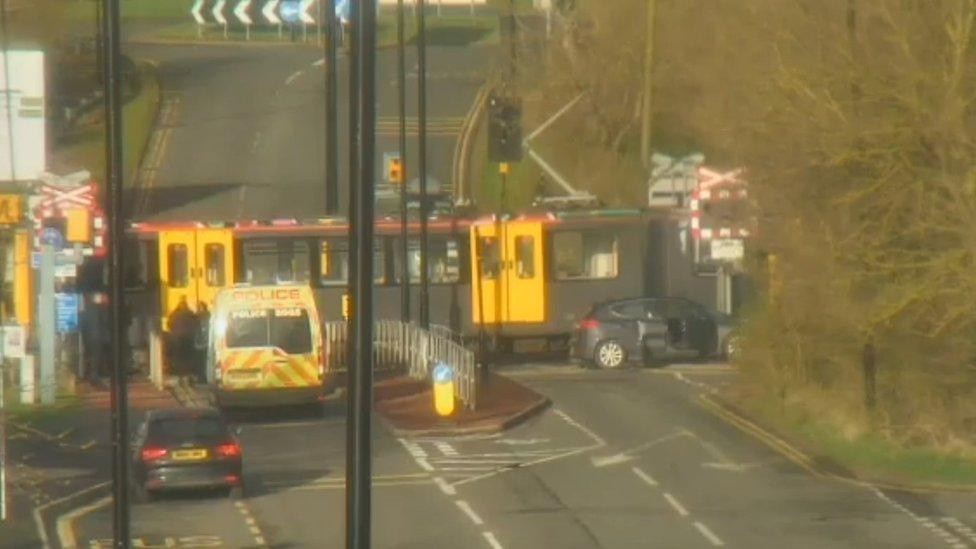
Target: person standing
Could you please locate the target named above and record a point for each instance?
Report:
(181, 335)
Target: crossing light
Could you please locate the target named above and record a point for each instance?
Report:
(78, 227)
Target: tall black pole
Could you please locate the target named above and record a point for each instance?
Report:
(353, 282)
(113, 170)
(404, 214)
(331, 111)
(358, 495)
(422, 160)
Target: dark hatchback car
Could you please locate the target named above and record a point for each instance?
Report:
(185, 448)
(650, 330)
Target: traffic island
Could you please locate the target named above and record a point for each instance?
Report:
(407, 407)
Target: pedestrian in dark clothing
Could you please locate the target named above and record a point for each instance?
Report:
(182, 325)
(202, 341)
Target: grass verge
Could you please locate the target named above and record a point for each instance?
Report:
(85, 149)
(523, 181)
(871, 457)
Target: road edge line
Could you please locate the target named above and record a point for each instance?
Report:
(66, 522)
(37, 511)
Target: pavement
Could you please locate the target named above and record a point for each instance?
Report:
(622, 459)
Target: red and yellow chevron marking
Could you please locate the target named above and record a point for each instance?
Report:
(277, 369)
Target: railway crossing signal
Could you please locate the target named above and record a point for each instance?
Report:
(504, 128)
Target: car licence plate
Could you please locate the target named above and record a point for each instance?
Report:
(190, 455)
(244, 377)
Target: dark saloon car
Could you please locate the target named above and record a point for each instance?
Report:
(650, 330)
(185, 448)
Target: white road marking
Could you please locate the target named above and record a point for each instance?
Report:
(445, 486)
(39, 520)
(463, 505)
(319, 63)
(446, 449)
(644, 476)
(490, 538)
(66, 522)
(424, 464)
(463, 461)
(257, 141)
(627, 455)
(255, 530)
(596, 438)
(676, 504)
(709, 535)
(292, 78)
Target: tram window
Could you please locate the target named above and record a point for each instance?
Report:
(335, 262)
(582, 255)
(213, 254)
(178, 266)
(136, 263)
(443, 264)
(273, 261)
(525, 256)
(490, 258)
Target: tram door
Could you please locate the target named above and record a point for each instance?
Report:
(524, 287)
(486, 271)
(195, 265)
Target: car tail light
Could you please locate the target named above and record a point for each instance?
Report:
(230, 449)
(152, 453)
(589, 324)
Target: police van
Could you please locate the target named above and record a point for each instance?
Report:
(266, 347)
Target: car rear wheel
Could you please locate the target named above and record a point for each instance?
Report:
(610, 354)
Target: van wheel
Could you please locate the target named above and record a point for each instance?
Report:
(610, 355)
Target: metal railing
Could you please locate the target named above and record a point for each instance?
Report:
(408, 347)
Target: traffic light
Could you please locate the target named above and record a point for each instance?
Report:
(396, 171)
(504, 128)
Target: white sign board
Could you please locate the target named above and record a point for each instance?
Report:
(14, 344)
(22, 101)
(728, 249)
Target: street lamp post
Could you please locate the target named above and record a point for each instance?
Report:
(404, 214)
(422, 160)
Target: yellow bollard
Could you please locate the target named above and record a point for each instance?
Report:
(443, 389)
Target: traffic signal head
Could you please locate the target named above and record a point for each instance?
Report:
(396, 171)
(504, 128)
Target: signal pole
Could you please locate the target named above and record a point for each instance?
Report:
(359, 451)
(113, 170)
(422, 160)
(331, 111)
(404, 215)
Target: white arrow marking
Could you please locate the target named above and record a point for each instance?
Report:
(303, 11)
(269, 12)
(195, 11)
(241, 11)
(628, 455)
(218, 12)
(522, 441)
(733, 467)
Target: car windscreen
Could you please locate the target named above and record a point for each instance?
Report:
(286, 328)
(176, 430)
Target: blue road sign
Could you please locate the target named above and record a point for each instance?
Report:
(52, 237)
(66, 314)
(291, 11)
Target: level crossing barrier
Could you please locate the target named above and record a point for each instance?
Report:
(405, 346)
